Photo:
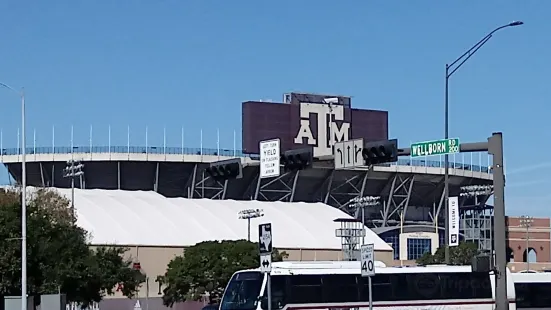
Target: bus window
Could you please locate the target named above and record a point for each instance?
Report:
(533, 295)
(305, 289)
(472, 285)
(279, 293)
(243, 291)
(380, 285)
(422, 286)
(338, 288)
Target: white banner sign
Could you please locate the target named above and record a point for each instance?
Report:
(269, 158)
(453, 221)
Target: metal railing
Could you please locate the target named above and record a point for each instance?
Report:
(213, 152)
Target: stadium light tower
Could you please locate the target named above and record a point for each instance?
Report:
(527, 221)
(362, 203)
(450, 70)
(73, 170)
(476, 190)
(21, 94)
(249, 214)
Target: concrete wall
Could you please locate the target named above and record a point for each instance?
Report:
(154, 261)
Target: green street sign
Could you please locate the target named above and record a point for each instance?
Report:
(436, 147)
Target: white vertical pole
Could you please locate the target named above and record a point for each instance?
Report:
(72, 141)
(128, 140)
(472, 162)
(234, 145)
(34, 142)
(109, 140)
(218, 142)
(53, 140)
(201, 143)
(164, 140)
(146, 142)
(182, 141)
(480, 161)
(455, 159)
(24, 266)
(91, 136)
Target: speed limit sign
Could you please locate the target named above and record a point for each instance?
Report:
(367, 260)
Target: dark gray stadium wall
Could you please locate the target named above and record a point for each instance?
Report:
(371, 125)
(267, 120)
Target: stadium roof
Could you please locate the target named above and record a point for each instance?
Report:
(148, 218)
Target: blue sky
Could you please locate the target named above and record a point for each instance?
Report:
(191, 63)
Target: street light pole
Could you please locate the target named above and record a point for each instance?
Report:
(23, 198)
(249, 214)
(450, 70)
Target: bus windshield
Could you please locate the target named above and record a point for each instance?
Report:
(243, 291)
(533, 295)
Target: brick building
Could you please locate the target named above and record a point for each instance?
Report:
(529, 243)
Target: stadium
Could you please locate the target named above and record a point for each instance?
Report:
(159, 199)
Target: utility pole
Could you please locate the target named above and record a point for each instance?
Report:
(73, 170)
(494, 146)
(24, 303)
(527, 221)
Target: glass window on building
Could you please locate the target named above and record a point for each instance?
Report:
(417, 247)
(394, 239)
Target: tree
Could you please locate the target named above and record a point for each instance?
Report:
(59, 258)
(459, 255)
(207, 267)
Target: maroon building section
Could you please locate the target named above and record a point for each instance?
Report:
(268, 120)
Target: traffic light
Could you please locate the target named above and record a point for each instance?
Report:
(380, 152)
(226, 169)
(297, 159)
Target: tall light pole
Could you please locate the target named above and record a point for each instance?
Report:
(249, 214)
(527, 221)
(21, 94)
(450, 70)
(362, 203)
(73, 170)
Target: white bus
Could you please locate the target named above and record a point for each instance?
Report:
(339, 286)
(533, 290)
